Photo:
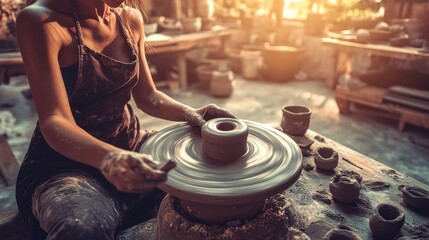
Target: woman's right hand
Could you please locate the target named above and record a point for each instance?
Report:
(132, 172)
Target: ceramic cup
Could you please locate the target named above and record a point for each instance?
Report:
(387, 221)
(295, 120)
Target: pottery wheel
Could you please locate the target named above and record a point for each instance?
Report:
(272, 163)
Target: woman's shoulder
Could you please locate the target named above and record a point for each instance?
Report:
(36, 14)
(134, 15)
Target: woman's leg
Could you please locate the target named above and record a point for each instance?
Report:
(76, 205)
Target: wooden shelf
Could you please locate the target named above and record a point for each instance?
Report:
(373, 97)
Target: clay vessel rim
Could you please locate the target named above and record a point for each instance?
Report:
(400, 214)
(234, 181)
(411, 190)
(288, 110)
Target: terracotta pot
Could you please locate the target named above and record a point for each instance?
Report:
(342, 232)
(387, 221)
(221, 84)
(191, 25)
(224, 139)
(295, 119)
(416, 197)
(344, 189)
(280, 63)
(326, 158)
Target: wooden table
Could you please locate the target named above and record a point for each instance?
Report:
(181, 43)
(343, 48)
(10, 64)
(177, 45)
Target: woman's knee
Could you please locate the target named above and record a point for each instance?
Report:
(91, 227)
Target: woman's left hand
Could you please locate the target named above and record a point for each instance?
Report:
(201, 115)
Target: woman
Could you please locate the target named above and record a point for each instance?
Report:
(84, 59)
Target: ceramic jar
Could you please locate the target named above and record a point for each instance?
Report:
(224, 139)
(221, 84)
(250, 62)
(387, 221)
(205, 9)
(295, 119)
(326, 158)
(416, 197)
(344, 189)
(191, 25)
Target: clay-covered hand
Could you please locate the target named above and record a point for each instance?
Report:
(132, 172)
(201, 115)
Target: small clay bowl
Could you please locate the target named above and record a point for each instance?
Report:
(343, 233)
(416, 197)
(326, 158)
(387, 221)
(224, 139)
(344, 189)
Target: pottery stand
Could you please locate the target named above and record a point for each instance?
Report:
(224, 175)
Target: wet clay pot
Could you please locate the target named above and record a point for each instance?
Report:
(387, 221)
(416, 197)
(326, 158)
(343, 233)
(344, 189)
(221, 84)
(224, 139)
(295, 119)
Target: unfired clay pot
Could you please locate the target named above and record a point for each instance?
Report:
(387, 221)
(344, 189)
(326, 158)
(342, 233)
(224, 139)
(295, 119)
(416, 197)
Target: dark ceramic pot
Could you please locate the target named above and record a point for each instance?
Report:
(387, 221)
(344, 189)
(326, 158)
(295, 119)
(342, 233)
(415, 197)
(224, 139)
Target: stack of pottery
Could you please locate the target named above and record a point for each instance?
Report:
(280, 63)
(191, 25)
(221, 84)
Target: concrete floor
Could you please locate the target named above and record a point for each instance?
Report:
(261, 101)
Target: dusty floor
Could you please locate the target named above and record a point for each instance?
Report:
(261, 101)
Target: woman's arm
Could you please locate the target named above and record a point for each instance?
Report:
(156, 103)
(40, 39)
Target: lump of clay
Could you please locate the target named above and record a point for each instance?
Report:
(344, 189)
(415, 197)
(387, 221)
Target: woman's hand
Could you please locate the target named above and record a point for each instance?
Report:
(132, 172)
(201, 115)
